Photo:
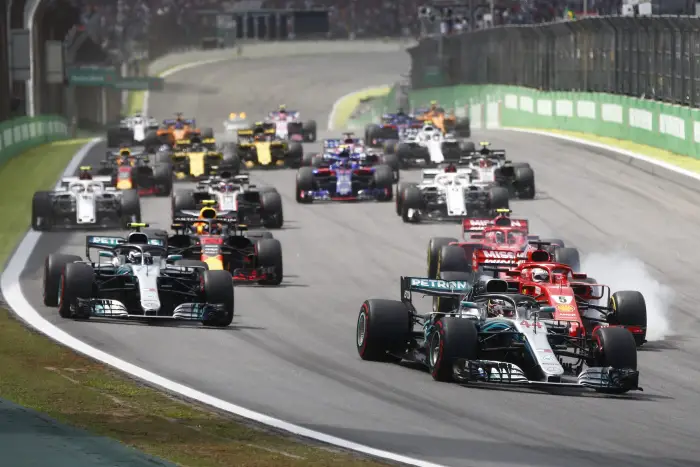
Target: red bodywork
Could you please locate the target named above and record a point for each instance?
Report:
(125, 181)
(213, 247)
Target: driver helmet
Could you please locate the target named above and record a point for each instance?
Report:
(540, 275)
(499, 308)
(147, 258)
(201, 228)
(179, 125)
(85, 175)
(484, 163)
(283, 109)
(499, 237)
(433, 106)
(451, 168)
(216, 228)
(227, 187)
(134, 257)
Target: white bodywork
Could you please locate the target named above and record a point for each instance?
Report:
(486, 174)
(140, 125)
(432, 139)
(227, 200)
(451, 185)
(85, 194)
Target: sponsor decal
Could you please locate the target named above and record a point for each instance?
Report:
(549, 358)
(105, 240)
(563, 299)
(565, 308)
(439, 285)
(551, 368)
(491, 254)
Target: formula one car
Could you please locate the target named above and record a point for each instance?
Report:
(494, 337)
(137, 280)
(223, 244)
(447, 123)
(260, 147)
(84, 202)
(448, 194)
(428, 146)
(134, 169)
(342, 178)
(236, 197)
(135, 130)
(491, 166)
(289, 127)
(182, 130)
(236, 121)
(194, 160)
(500, 241)
(390, 129)
(357, 151)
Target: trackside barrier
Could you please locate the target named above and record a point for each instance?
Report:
(21, 134)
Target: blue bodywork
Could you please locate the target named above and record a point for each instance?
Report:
(186, 121)
(393, 127)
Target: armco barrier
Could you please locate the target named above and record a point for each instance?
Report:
(21, 134)
(665, 126)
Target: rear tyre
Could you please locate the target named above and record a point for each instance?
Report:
(630, 309)
(392, 161)
(131, 207)
(399, 195)
(384, 180)
(272, 209)
(163, 178)
(525, 182)
(295, 154)
(183, 201)
(412, 200)
(53, 270)
(42, 211)
(305, 183)
(309, 131)
(269, 254)
(499, 198)
(218, 290)
(383, 327)
(435, 245)
(568, 256)
(453, 339)
(77, 282)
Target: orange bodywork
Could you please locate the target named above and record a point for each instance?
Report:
(439, 119)
(174, 134)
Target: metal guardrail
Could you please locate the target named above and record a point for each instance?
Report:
(656, 57)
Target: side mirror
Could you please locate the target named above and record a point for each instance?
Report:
(173, 257)
(548, 309)
(579, 275)
(106, 254)
(466, 304)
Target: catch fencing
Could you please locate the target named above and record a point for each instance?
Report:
(656, 57)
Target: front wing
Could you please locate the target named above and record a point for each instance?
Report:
(101, 308)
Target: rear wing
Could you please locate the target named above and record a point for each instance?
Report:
(497, 257)
(478, 225)
(432, 287)
(100, 242)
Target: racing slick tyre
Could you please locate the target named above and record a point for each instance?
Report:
(499, 198)
(525, 182)
(554, 242)
(454, 258)
(53, 270)
(467, 147)
(411, 199)
(206, 133)
(317, 161)
(258, 234)
(630, 309)
(269, 255)
(309, 131)
(384, 180)
(405, 153)
(392, 160)
(434, 248)
(443, 305)
(42, 211)
(151, 140)
(305, 183)
(183, 201)
(372, 131)
(131, 207)
(271, 202)
(76, 283)
(568, 256)
(163, 178)
(295, 155)
(192, 263)
(218, 289)
(307, 159)
(616, 348)
(231, 160)
(462, 128)
(390, 146)
(118, 136)
(452, 338)
(383, 327)
(399, 195)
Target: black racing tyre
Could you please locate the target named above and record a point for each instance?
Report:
(446, 304)
(392, 161)
(554, 241)
(183, 200)
(192, 263)
(118, 136)
(525, 182)
(269, 254)
(405, 152)
(163, 178)
(568, 256)
(630, 309)
(42, 211)
(434, 248)
(412, 198)
(452, 339)
(317, 161)
(454, 258)
(383, 326)
(384, 180)
(307, 159)
(399, 195)
(372, 130)
(163, 157)
(468, 147)
(499, 198)
(256, 234)
(305, 182)
(295, 154)
(77, 281)
(131, 207)
(207, 133)
(53, 270)
(309, 131)
(615, 347)
(151, 140)
(218, 290)
(271, 202)
(389, 146)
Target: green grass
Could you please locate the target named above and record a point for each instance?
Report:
(37, 373)
(349, 103)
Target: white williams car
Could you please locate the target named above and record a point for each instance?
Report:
(446, 194)
(428, 146)
(82, 202)
(136, 130)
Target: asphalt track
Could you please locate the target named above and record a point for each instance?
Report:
(291, 351)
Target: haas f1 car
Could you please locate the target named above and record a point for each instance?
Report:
(491, 335)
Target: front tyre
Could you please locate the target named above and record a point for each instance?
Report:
(383, 327)
(451, 339)
(218, 290)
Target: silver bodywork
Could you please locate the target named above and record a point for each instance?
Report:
(432, 139)
(140, 125)
(84, 196)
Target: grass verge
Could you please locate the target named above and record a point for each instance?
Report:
(39, 374)
(684, 162)
(346, 105)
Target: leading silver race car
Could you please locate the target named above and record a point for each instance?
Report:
(428, 146)
(135, 278)
(494, 337)
(134, 130)
(85, 202)
(448, 194)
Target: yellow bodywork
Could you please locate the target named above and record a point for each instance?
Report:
(214, 263)
(196, 163)
(124, 185)
(264, 153)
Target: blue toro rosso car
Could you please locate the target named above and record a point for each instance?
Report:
(390, 129)
(344, 173)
